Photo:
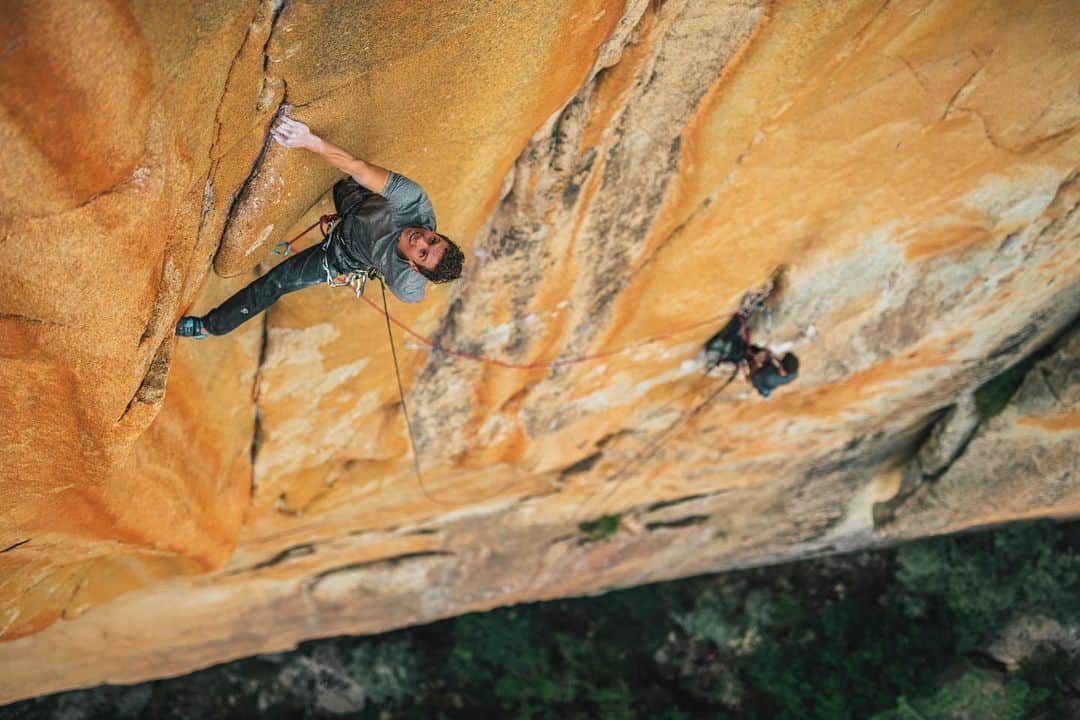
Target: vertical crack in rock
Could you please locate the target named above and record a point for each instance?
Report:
(272, 8)
(213, 151)
(207, 208)
(219, 123)
(168, 291)
(145, 403)
(277, 6)
(149, 397)
(256, 387)
(584, 211)
(247, 188)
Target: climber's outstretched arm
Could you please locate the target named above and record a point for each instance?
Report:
(294, 134)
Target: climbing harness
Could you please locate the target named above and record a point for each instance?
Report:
(357, 279)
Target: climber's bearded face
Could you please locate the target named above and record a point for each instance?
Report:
(423, 248)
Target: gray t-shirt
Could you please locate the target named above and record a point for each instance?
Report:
(370, 225)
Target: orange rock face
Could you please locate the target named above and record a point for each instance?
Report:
(619, 174)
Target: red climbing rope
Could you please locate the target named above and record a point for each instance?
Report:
(542, 364)
(323, 224)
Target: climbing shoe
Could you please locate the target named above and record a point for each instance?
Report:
(768, 376)
(192, 327)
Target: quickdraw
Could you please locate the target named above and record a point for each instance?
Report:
(324, 223)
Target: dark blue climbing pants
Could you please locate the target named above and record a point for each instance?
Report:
(302, 270)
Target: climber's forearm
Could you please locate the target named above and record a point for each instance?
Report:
(295, 134)
(367, 174)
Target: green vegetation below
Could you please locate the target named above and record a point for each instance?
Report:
(993, 395)
(896, 635)
(600, 529)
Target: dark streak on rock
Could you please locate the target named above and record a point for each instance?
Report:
(393, 561)
(627, 230)
(1044, 375)
(27, 319)
(688, 521)
(823, 530)
(676, 502)
(583, 465)
(603, 442)
(9, 548)
(562, 539)
(963, 86)
(256, 430)
(1014, 342)
(288, 554)
(284, 556)
(577, 179)
(845, 458)
(567, 129)
(537, 496)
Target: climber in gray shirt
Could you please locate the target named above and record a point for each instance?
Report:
(387, 226)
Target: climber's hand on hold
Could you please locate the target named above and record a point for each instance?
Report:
(295, 134)
(292, 133)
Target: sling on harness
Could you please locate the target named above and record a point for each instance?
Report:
(285, 247)
(763, 369)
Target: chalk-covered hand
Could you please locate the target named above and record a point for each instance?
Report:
(292, 133)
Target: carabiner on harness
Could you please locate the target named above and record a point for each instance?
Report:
(357, 279)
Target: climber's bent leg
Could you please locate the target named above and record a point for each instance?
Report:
(298, 272)
(772, 375)
(727, 345)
